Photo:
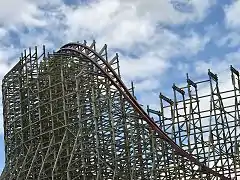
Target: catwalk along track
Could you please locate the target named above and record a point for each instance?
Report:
(68, 115)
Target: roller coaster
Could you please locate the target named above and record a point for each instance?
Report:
(68, 115)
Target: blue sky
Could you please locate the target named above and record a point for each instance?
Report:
(158, 41)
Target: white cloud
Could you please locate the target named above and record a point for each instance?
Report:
(143, 67)
(218, 65)
(147, 85)
(21, 11)
(232, 13)
(231, 40)
(93, 18)
(3, 32)
(165, 12)
(3, 68)
(195, 43)
(126, 23)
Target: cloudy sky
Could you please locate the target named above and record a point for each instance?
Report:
(158, 40)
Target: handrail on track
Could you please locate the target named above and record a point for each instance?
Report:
(125, 92)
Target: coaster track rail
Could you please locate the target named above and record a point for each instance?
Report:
(108, 71)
